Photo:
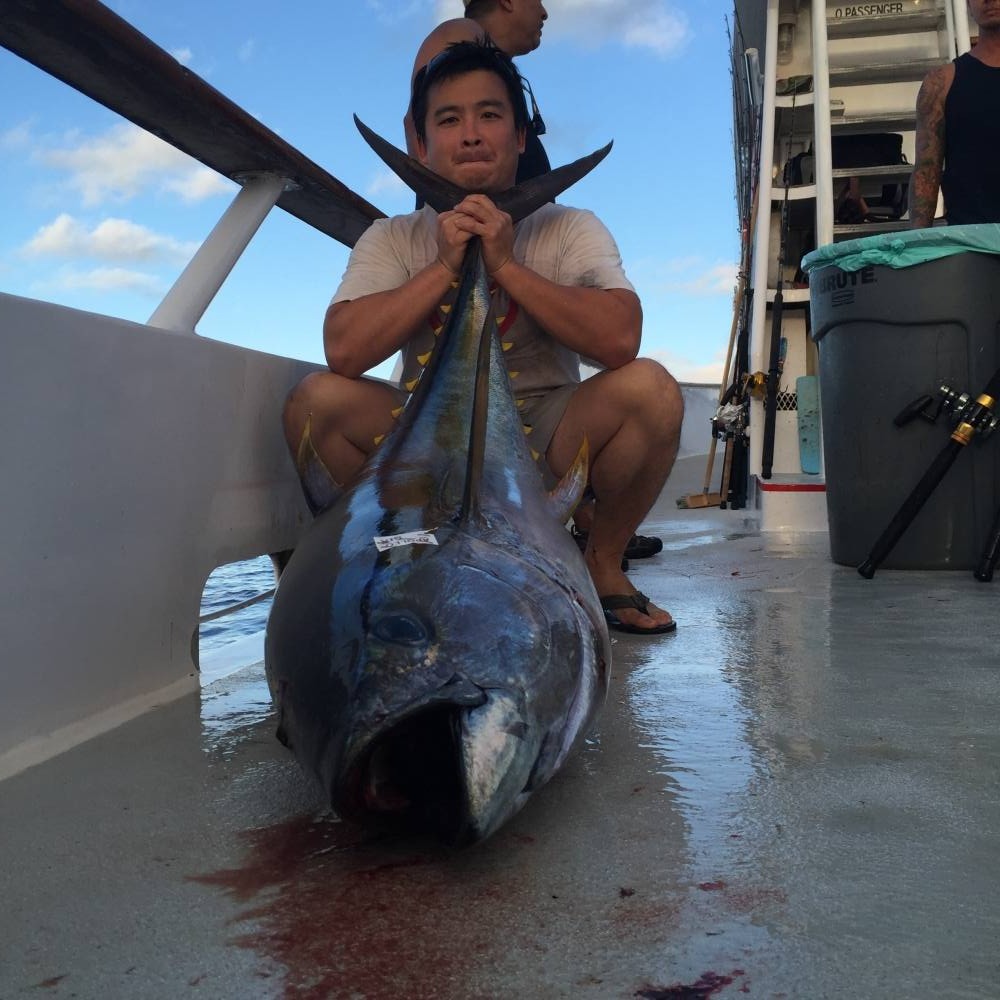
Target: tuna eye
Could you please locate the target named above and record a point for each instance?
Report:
(400, 629)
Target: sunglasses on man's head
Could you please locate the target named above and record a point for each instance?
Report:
(537, 125)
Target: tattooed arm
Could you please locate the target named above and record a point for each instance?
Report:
(929, 155)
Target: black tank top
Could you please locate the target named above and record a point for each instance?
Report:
(971, 180)
(534, 161)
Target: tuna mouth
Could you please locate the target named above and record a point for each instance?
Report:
(454, 769)
(410, 778)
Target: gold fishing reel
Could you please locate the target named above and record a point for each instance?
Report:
(755, 384)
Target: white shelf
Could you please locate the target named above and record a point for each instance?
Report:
(857, 230)
(885, 24)
(796, 192)
(789, 294)
(890, 121)
(901, 72)
(801, 100)
(890, 171)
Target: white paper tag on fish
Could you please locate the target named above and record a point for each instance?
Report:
(384, 542)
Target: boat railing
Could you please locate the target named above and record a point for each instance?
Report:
(92, 49)
(141, 460)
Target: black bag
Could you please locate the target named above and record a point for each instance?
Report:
(799, 169)
(877, 149)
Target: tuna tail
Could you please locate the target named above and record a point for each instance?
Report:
(518, 202)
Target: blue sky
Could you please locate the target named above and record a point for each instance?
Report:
(102, 217)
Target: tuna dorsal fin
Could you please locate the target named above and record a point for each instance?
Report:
(566, 496)
(443, 196)
(481, 399)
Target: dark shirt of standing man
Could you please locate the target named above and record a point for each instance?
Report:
(958, 132)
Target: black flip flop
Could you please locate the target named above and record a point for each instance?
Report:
(639, 601)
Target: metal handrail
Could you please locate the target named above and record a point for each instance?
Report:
(88, 46)
(232, 609)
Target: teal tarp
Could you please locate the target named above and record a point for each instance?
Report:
(913, 246)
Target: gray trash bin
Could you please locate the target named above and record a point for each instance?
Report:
(895, 317)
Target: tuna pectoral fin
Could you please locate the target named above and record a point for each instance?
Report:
(320, 488)
(568, 493)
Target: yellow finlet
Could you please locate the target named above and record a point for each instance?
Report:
(422, 359)
(379, 440)
(507, 344)
(445, 308)
(396, 412)
(412, 384)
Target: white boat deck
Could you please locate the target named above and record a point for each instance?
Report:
(796, 796)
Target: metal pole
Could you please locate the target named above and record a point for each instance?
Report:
(949, 18)
(192, 293)
(962, 40)
(822, 144)
(762, 237)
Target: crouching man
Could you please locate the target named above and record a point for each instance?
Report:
(561, 293)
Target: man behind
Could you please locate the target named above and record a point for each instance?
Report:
(958, 132)
(514, 27)
(561, 292)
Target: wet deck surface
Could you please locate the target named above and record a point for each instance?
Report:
(797, 795)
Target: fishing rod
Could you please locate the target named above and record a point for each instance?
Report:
(742, 148)
(777, 308)
(732, 417)
(974, 418)
(991, 552)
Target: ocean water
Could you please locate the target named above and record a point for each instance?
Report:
(237, 640)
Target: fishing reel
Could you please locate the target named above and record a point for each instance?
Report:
(730, 421)
(755, 384)
(972, 416)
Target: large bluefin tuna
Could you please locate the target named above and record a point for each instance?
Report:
(436, 647)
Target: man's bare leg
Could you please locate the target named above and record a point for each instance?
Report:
(332, 424)
(632, 419)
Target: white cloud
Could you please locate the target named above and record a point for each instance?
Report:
(685, 370)
(688, 276)
(386, 183)
(112, 239)
(125, 161)
(649, 24)
(396, 11)
(105, 279)
(18, 137)
(183, 56)
(247, 50)
(718, 279)
(198, 183)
